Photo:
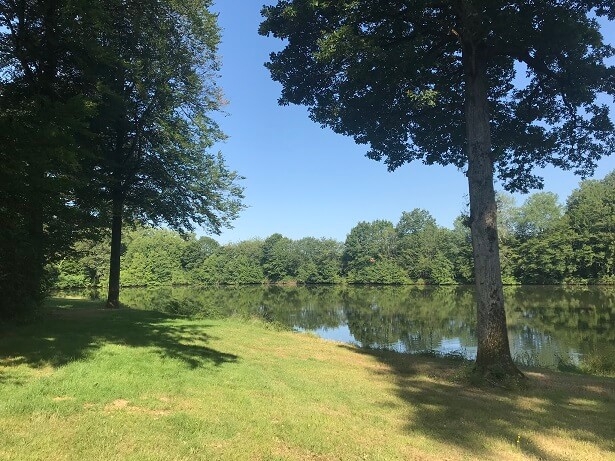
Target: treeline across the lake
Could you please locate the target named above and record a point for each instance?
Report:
(541, 242)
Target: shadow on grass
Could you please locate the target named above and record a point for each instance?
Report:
(71, 330)
(452, 411)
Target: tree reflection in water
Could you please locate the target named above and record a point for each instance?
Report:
(547, 325)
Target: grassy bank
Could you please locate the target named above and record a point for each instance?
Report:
(84, 383)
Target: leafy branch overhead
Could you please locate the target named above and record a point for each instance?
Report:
(391, 75)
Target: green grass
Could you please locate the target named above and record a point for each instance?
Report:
(84, 383)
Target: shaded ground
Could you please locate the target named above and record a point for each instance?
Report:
(63, 343)
(540, 419)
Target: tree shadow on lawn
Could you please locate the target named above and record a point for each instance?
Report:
(71, 330)
(454, 412)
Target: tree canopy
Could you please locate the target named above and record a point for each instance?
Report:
(157, 88)
(105, 115)
(391, 74)
(44, 109)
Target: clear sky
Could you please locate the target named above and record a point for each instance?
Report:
(306, 181)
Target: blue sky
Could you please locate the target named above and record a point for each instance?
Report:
(302, 180)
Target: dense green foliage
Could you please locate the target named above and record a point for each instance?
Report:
(153, 124)
(397, 77)
(575, 244)
(541, 241)
(44, 110)
(105, 113)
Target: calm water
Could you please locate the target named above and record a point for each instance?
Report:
(547, 325)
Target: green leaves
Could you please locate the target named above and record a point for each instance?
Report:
(156, 65)
(107, 105)
(591, 215)
(541, 242)
(391, 77)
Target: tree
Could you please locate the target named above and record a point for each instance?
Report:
(319, 260)
(155, 83)
(369, 254)
(367, 243)
(507, 215)
(280, 259)
(436, 81)
(104, 115)
(542, 249)
(540, 213)
(86, 265)
(547, 258)
(461, 251)
(43, 115)
(506, 218)
(197, 251)
(422, 248)
(590, 211)
(414, 222)
(236, 264)
(153, 258)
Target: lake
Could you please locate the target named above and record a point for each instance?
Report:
(548, 326)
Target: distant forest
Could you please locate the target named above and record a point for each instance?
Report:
(541, 242)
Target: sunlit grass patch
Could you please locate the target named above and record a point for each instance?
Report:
(130, 384)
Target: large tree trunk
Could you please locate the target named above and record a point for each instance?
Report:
(35, 250)
(493, 355)
(113, 297)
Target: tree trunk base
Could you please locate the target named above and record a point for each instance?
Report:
(498, 375)
(112, 304)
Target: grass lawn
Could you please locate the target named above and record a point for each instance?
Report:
(84, 383)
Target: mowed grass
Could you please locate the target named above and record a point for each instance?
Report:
(84, 383)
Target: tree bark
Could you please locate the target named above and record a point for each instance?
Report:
(34, 254)
(113, 297)
(493, 356)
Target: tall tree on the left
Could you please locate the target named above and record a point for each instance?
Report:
(105, 115)
(43, 114)
(155, 78)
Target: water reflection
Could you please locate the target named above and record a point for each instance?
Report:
(547, 325)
